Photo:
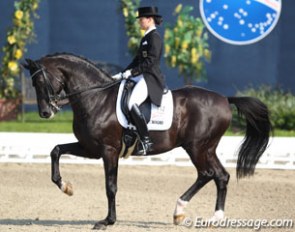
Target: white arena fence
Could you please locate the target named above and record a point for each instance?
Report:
(36, 148)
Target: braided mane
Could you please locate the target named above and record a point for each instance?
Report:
(79, 58)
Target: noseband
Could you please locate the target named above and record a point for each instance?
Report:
(54, 98)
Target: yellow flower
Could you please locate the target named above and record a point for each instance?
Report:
(193, 51)
(125, 12)
(136, 14)
(166, 34)
(179, 23)
(19, 14)
(184, 45)
(167, 49)
(11, 39)
(178, 9)
(18, 54)
(173, 61)
(199, 32)
(207, 54)
(12, 65)
(194, 58)
(35, 6)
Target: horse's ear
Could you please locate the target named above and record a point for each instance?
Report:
(29, 64)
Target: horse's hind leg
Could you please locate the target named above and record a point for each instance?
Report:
(199, 159)
(208, 167)
(179, 213)
(70, 148)
(221, 178)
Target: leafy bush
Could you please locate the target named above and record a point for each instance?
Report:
(186, 45)
(134, 33)
(21, 32)
(281, 105)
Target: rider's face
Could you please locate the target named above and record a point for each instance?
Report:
(145, 22)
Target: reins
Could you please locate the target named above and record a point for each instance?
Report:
(55, 98)
(100, 88)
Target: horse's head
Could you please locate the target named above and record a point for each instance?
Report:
(63, 71)
(47, 87)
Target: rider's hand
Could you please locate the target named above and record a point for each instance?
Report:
(117, 76)
(126, 74)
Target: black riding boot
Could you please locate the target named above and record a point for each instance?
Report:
(141, 126)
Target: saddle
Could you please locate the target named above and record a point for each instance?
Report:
(157, 118)
(145, 107)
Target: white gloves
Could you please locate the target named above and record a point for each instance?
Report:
(117, 76)
(126, 74)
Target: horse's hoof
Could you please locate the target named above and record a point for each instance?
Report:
(178, 219)
(67, 188)
(102, 225)
(218, 215)
(99, 226)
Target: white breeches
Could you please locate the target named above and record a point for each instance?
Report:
(139, 93)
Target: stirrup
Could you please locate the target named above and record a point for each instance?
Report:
(145, 147)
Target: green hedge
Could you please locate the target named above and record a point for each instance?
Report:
(281, 105)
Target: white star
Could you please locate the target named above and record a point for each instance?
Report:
(225, 6)
(242, 22)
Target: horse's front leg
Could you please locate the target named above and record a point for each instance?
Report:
(110, 159)
(69, 148)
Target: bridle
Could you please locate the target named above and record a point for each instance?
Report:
(54, 98)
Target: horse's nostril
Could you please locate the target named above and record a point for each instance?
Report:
(45, 114)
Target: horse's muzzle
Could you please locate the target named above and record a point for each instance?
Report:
(46, 114)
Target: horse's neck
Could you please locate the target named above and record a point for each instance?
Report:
(79, 75)
(92, 105)
(77, 79)
(85, 78)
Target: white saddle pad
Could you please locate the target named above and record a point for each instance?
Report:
(161, 117)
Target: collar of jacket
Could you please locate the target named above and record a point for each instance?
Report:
(149, 30)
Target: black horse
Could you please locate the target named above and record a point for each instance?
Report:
(200, 119)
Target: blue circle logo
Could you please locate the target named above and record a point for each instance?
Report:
(240, 22)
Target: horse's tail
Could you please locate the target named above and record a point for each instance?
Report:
(257, 135)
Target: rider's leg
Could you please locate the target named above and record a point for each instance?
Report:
(142, 129)
(139, 94)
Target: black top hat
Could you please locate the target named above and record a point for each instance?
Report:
(148, 12)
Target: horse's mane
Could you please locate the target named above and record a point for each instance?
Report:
(80, 58)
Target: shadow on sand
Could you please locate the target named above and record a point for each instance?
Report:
(29, 222)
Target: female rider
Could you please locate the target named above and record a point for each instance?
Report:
(145, 71)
